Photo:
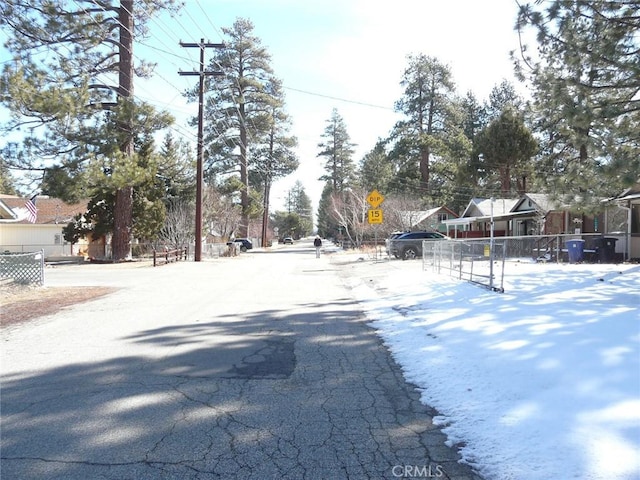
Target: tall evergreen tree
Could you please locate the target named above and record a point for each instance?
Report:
(327, 226)
(428, 89)
(298, 203)
(585, 75)
(501, 97)
(274, 157)
(337, 150)
(376, 170)
(470, 176)
(239, 111)
(177, 171)
(71, 81)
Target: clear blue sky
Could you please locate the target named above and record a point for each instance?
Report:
(344, 54)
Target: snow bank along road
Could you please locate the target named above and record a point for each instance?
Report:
(255, 367)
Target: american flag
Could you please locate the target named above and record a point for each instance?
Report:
(31, 207)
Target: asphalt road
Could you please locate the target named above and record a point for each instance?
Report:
(255, 367)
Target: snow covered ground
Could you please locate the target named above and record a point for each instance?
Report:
(540, 382)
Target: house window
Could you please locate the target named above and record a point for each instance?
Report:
(57, 239)
(442, 217)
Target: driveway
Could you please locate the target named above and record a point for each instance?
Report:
(254, 367)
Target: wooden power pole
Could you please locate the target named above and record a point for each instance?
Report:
(200, 176)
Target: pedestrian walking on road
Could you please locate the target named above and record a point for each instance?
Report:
(317, 243)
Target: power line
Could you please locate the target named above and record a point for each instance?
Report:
(338, 98)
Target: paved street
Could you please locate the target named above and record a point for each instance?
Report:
(255, 367)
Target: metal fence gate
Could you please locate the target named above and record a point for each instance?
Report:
(478, 261)
(23, 267)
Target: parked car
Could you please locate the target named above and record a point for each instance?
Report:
(387, 241)
(244, 244)
(287, 241)
(409, 245)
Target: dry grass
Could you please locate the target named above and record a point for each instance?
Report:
(19, 303)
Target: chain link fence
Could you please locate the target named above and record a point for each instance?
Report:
(472, 260)
(24, 268)
(476, 261)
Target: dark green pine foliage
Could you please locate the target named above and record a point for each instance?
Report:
(507, 147)
(426, 101)
(70, 85)
(585, 74)
(245, 124)
(376, 170)
(296, 220)
(327, 226)
(337, 151)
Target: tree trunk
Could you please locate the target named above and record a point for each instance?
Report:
(244, 177)
(123, 208)
(121, 241)
(265, 212)
(424, 168)
(505, 181)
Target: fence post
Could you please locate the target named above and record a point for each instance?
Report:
(42, 267)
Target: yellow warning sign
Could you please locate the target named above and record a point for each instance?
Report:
(374, 199)
(375, 215)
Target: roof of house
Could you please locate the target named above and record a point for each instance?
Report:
(51, 211)
(482, 206)
(541, 201)
(414, 217)
(479, 209)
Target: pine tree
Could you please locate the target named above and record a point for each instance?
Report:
(298, 204)
(585, 75)
(242, 113)
(6, 179)
(274, 157)
(337, 150)
(507, 146)
(428, 89)
(376, 170)
(177, 170)
(327, 226)
(72, 82)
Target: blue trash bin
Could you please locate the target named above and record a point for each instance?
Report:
(575, 248)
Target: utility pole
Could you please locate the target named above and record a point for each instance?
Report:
(199, 176)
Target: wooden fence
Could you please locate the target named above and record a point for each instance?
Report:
(168, 256)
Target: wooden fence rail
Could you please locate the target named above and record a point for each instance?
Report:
(168, 256)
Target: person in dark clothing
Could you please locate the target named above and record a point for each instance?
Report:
(317, 243)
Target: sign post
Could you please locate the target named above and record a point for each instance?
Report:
(374, 215)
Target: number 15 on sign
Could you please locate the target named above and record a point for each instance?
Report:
(375, 215)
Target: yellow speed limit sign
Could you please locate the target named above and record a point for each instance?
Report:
(375, 215)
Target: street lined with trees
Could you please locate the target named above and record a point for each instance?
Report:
(70, 85)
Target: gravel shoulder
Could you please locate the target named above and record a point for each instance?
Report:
(22, 303)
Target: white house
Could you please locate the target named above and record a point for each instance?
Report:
(18, 234)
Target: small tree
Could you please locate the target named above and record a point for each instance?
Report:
(349, 212)
(76, 230)
(179, 226)
(507, 146)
